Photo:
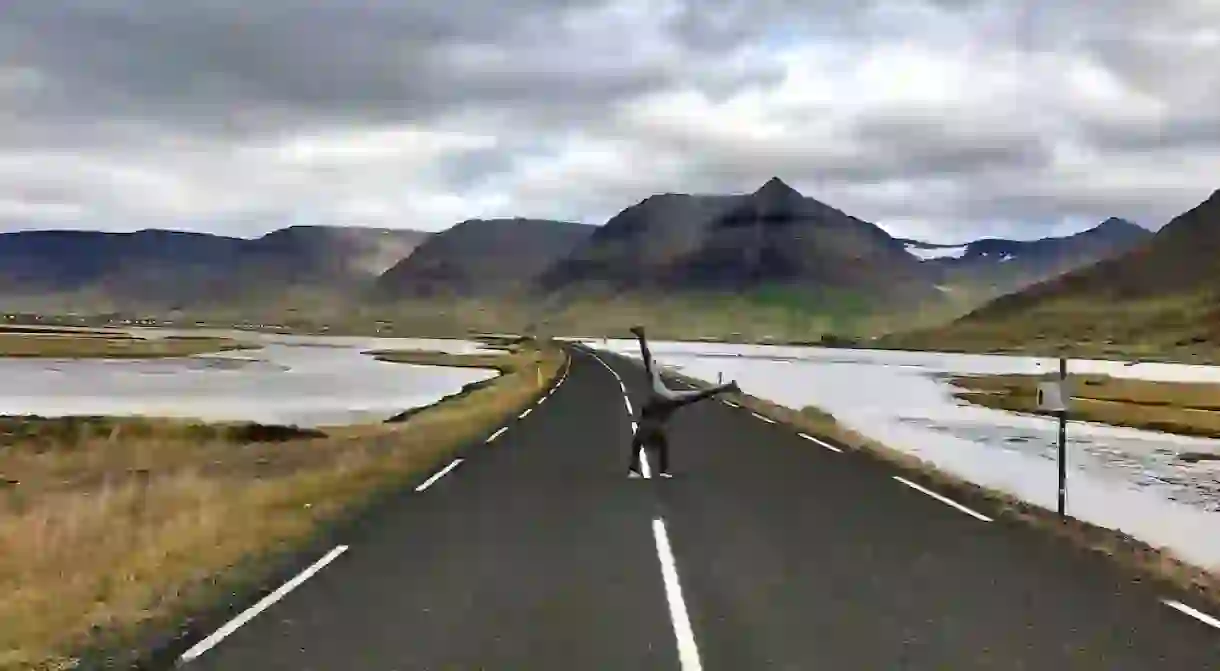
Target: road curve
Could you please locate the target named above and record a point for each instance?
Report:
(767, 550)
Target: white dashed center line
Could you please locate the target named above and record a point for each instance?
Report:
(763, 418)
(688, 651)
(819, 442)
(645, 468)
(429, 482)
(942, 499)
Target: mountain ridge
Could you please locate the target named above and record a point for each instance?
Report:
(773, 250)
(1162, 295)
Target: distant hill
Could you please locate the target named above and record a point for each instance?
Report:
(1159, 295)
(480, 258)
(159, 269)
(773, 243)
(992, 267)
(336, 252)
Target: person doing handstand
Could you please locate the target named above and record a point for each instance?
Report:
(658, 407)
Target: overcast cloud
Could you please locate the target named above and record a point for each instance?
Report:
(944, 119)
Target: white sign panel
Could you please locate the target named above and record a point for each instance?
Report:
(1052, 396)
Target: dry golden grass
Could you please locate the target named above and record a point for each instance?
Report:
(1191, 409)
(111, 527)
(106, 345)
(501, 362)
(1140, 558)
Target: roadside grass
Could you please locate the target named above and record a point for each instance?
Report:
(105, 345)
(1136, 557)
(501, 362)
(1185, 408)
(112, 528)
(6, 329)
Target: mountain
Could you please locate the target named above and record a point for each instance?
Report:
(993, 267)
(160, 269)
(1159, 294)
(334, 254)
(774, 241)
(480, 257)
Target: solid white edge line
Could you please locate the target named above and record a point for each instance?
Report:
(731, 404)
(428, 483)
(763, 418)
(688, 651)
(938, 497)
(819, 442)
(249, 614)
(497, 434)
(525, 414)
(1198, 615)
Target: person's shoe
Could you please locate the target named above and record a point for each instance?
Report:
(634, 474)
(666, 474)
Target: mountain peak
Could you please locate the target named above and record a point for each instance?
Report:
(1116, 222)
(1116, 226)
(776, 186)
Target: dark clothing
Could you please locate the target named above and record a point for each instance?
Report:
(654, 437)
(657, 409)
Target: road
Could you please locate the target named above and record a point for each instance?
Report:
(767, 550)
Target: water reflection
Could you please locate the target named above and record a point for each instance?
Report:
(304, 380)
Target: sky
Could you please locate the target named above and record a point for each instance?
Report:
(940, 119)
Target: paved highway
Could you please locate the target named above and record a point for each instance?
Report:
(767, 550)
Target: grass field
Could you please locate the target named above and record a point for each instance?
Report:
(111, 527)
(1191, 409)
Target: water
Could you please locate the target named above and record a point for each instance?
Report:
(302, 380)
(1119, 478)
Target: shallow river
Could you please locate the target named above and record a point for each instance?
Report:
(303, 380)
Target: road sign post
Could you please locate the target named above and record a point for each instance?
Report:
(1062, 439)
(1052, 397)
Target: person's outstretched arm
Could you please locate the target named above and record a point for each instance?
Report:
(696, 395)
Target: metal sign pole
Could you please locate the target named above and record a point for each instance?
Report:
(1062, 443)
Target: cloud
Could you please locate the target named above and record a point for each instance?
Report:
(941, 118)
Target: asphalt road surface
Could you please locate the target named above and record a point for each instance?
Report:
(767, 550)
